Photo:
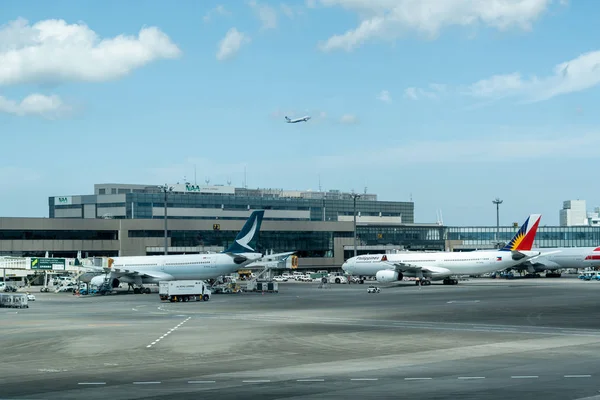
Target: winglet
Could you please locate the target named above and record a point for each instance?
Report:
(523, 240)
(245, 241)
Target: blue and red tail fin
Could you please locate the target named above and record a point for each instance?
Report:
(523, 240)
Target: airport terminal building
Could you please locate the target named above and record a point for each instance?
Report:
(125, 220)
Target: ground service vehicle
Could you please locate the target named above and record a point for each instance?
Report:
(188, 290)
(373, 289)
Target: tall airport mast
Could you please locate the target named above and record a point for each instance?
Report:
(497, 202)
(166, 189)
(354, 197)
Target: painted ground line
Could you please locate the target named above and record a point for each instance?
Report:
(199, 382)
(524, 376)
(310, 380)
(416, 379)
(257, 381)
(92, 383)
(471, 377)
(147, 383)
(578, 376)
(364, 379)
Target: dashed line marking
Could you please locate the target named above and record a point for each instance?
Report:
(578, 376)
(168, 332)
(310, 380)
(92, 383)
(471, 377)
(147, 383)
(200, 382)
(416, 379)
(257, 381)
(364, 379)
(524, 377)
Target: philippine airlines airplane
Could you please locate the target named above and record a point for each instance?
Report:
(293, 121)
(557, 258)
(389, 268)
(153, 269)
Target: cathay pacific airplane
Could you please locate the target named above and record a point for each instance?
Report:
(153, 269)
(388, 268)
(293, 121)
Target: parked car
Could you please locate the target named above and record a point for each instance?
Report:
(30, 297)
(280, 279)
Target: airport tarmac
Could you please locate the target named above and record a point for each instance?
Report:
(481, 339)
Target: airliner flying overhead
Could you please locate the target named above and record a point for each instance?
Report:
(388, 268)
(557, 258)
(153, 269)
(293, 121)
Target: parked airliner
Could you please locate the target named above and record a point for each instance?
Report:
(293, 121)
(556, 258)
(430, 266)
(153, 269)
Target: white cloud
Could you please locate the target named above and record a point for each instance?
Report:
(231, 44)
(53, 51)
(349, 119)
(483, 150)
(575, 75)
(266, 14)
(389, 19)
(287, 10)
(385, 96)
(218, 10)
(432, 92)
(35, 104)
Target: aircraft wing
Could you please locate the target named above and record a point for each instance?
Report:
(119, 272)
(426, 270)
(277, 256)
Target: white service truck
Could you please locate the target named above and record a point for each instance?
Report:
(188, 290)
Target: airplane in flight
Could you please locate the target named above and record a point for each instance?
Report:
(557, 258)
(293, 121)
(140, 270)
(390, 268)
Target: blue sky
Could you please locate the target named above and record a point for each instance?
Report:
(453, 103)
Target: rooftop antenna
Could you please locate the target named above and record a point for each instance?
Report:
(319, 182)
(195, 181)
(184, 180)
(411, 198)
(245, 181)
(228, 181)
(365, 190)
(207, 180)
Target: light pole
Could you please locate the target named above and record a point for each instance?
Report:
(497, 202)
(354, 197)
(166, 189)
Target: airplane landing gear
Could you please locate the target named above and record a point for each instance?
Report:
(423, 282)
(141, 290)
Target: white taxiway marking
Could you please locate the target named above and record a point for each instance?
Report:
(310, 380)
(92, 383)
(169, 332)
(416, 379)
(364, 379)
(257, 381)
(471, 377)
(524, 376)
(197, 382)
(147, 383)
(578, 376)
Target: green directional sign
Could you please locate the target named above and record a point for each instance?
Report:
(47, 263)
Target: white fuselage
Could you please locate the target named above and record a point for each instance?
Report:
(567, 257)
(439, 264)
(175, 267)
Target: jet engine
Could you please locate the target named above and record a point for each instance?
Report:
(100, 279)
(388, 276)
